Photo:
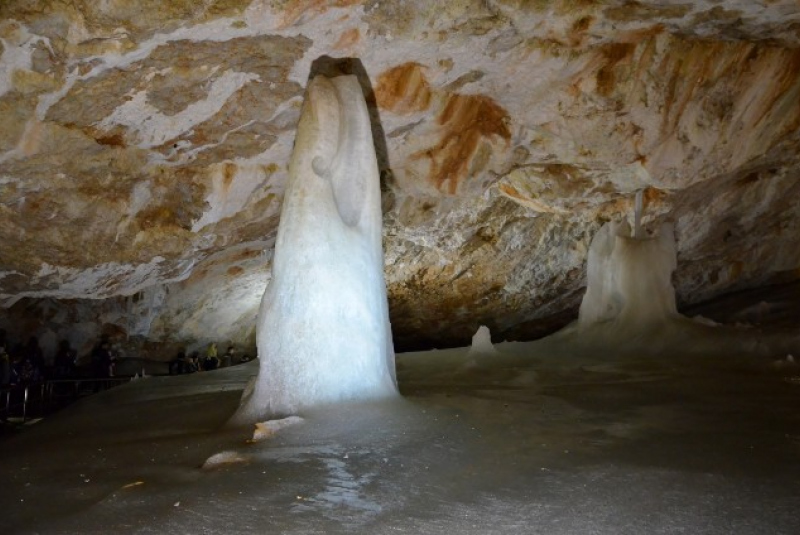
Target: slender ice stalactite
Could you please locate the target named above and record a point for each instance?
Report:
(638, 231)
(323, 330)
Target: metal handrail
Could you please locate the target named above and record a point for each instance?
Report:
(46, 393)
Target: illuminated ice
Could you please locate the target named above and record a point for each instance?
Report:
(323, 330)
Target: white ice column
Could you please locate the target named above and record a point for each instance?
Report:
(629, 279)
(323, 330)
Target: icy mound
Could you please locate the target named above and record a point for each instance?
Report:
(629, 278)
(629, 305)
(482, 342)
(268, 429)
(323, 330)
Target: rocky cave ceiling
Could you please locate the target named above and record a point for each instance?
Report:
(144, 144)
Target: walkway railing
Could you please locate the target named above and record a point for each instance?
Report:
(22, 402)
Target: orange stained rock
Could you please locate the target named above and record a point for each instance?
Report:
(654, 196)
(115, 139)
(348, 39)
(732, 86)
(693, 66)
(293, 10)
(403, 89)
(781, 96)
(579, 29)
(228, 174)
(466, 122)
(234, 271)
(157, 216)
(613, 54)
(511, 191)
(529, 201)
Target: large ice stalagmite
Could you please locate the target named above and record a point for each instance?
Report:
(629, 277)
(323, 330)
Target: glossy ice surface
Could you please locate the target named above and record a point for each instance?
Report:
(541, 438)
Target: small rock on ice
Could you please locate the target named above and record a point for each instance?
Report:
(224, 457)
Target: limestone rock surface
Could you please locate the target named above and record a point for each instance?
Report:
(144, 149)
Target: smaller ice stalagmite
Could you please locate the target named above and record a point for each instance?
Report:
(323, 332)
(630, 275)
(482, 342)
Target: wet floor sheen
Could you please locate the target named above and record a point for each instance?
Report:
(508, 444)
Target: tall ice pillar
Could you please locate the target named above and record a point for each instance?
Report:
(323, 330)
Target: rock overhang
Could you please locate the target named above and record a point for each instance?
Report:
(144, 146)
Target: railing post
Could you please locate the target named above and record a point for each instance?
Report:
(25, 405)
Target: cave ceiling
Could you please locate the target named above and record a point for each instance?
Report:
(144, 149)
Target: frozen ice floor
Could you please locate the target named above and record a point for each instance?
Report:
(521, 442)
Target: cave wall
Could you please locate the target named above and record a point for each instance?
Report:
(144, 145)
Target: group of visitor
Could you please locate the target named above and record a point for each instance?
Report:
(104, 359)
(210, 360)
(20, 364)
(24, 364)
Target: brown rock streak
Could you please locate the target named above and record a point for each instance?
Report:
(512, 192)
(228, 174)
(466, 121)
(403, 89)
(694, 66)
(348, 39)
(612, 55)
(785, 81)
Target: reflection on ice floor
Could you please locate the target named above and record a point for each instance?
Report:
(541, 438)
